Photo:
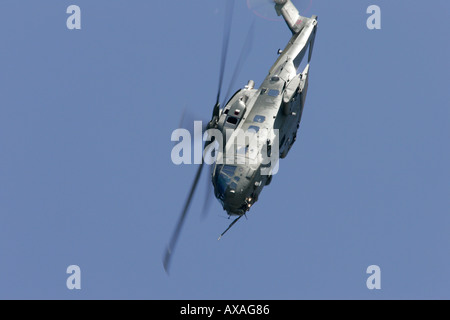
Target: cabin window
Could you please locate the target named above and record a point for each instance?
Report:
(253, 128)
(232, 120)
(226, 111)
(242, 150)
(259, 119)
(275, 78)
(273, 93)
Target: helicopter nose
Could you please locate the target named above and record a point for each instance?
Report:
(235, 202)
(233, 188)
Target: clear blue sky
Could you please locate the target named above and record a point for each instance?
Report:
(86, 176)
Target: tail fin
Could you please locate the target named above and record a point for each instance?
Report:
(291, 15)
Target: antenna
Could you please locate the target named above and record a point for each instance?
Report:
(229, 227)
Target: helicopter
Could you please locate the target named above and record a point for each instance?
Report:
(256, 127)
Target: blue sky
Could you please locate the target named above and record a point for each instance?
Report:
(86, 176)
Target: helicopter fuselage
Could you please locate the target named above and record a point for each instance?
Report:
(275, 108)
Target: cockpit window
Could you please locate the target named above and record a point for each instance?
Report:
(259, 119)
(224, 179)
(229, 170)
(222, 183)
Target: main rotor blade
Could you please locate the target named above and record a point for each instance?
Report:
(209, 193)
(248, 44)
(226, 40)
(173, 241)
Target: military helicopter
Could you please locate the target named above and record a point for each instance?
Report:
(274, 108)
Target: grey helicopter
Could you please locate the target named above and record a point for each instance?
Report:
(259, 124)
